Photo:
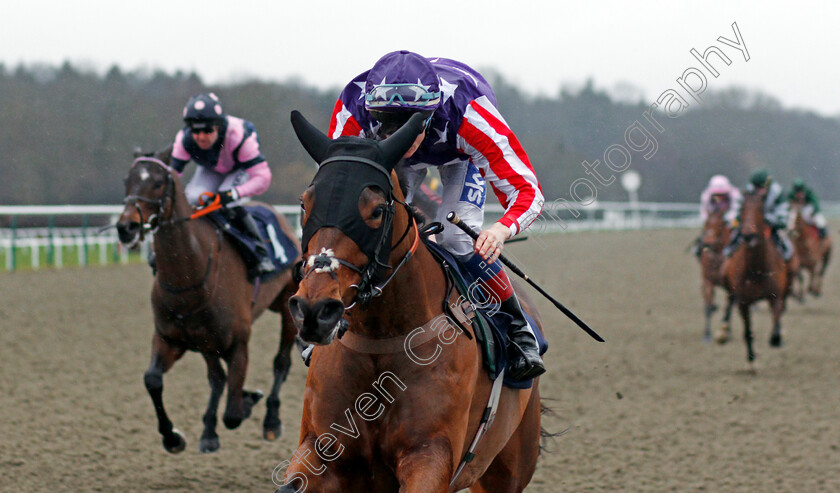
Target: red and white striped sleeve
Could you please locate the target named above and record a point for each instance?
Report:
(496, 152)
(343, 122)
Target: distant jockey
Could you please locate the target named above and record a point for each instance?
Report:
(230, 164)
(802, 195)
(719, 195)
(775, 213)
(470, 143)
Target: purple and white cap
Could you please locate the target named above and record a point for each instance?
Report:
(402, 80)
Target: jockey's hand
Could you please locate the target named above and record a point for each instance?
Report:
(227, 196)
(491, 241)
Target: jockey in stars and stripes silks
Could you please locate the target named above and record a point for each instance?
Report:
(470, 143)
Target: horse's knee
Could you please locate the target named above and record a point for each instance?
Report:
(153, 380)
(283, 361)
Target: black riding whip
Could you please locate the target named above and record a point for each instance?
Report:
(453, 218)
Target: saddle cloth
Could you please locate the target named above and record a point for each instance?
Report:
(490, 325)
(281, 249)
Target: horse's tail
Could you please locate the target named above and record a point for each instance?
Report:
(546, 436)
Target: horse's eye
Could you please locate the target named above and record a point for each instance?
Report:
(159, 184)
(377, 213)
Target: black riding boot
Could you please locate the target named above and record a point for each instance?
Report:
(523, 354)
(247, 224)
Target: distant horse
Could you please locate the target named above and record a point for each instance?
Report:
(713, 239)
(756, 271)
(202, 301)
(813, 252)
(375, 418)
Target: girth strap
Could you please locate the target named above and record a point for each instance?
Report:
(486, 420)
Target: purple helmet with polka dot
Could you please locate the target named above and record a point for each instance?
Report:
(204, 110)
(400, 84)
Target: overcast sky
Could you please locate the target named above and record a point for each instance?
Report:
(537, 45)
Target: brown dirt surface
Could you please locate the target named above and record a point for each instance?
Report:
(652, 409)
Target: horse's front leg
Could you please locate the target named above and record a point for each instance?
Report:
(426, 467)
(307, 471)
(239, 402)
(748, 335)
(164, 356)
(216, 377)
(272, 424)
(816, 279)
(723, 334)
(709, 308)
(777, 305)
(799, 286)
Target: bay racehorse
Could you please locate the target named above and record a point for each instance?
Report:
(712, 240)
(386, 408)
(202, 301)
(813, 252)
(757, 271)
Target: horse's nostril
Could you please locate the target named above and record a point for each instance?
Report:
(330, 312)
(298, 307)
(127, 231)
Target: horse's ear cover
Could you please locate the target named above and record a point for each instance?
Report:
(315, 142)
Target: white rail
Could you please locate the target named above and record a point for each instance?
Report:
(80, 242)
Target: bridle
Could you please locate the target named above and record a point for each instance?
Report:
(154, 220)
(371, 283)
(157, 219)
(160, 218)
(373, 279)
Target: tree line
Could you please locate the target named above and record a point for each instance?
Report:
(68, 134)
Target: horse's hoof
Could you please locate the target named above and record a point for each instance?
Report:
(251, 397)
(707, 338)
(208, 445)
(722, 337)
(174, 443)
(273, 433)
(775, 340)
(751, 368)
(231, 423)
